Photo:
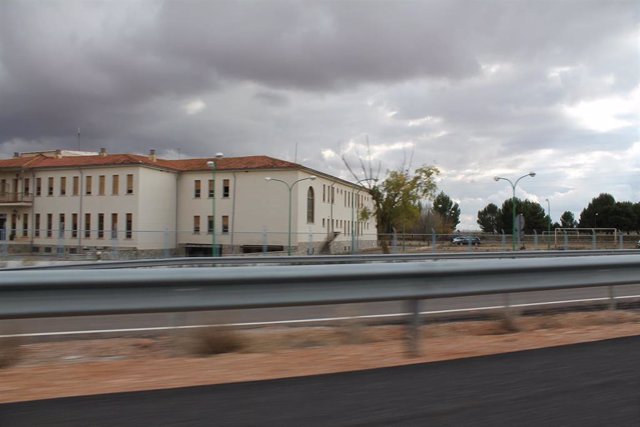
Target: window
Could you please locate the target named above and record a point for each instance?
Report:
(129, 227)
(36, 226)
(50, 186)
(25, 225)
(74, 225)
(115, 184)
(114, 225)
(130, 184)
(26, 186)
(61, 223)
(196, 188)
(87, 190)
(63, 185)
(209, 224)
(100, 226)
(225, 223)
(324, 189)
(212, 188)
(3, 187)
(101, 184)
(310, 206)
(196, 224)
(76, 185)
(87, 225)
(49, 225)
(38, 186)
(225, 188)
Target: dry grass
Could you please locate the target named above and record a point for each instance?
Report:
(215, 340)
(10, 352)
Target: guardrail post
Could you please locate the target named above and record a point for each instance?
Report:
(612, 298)
(413, 333)
(621, 241)
(594, 245)
(503, 241)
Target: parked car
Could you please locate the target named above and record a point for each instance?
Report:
(638, 244)
(465, 240)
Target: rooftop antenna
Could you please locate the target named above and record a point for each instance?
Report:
(78, 137)
(295, 154)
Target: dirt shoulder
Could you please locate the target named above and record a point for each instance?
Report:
(73, 368)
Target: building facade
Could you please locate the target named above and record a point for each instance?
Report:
(133, 205)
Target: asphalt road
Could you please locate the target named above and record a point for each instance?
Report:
(593, 384)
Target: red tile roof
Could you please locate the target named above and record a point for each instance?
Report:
(225, 163)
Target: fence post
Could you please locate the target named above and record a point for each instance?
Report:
(621, 241)
(566, 241)
(265, 241)
(166, 242)
(594, 245)
(4, 248)
(433, 240)
(535, 239)
(114, 244)
(60, 248)
(413, 335)
(394, 242)
(504, 240)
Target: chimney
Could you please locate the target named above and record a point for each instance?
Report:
(103, 152)
(16, 155)
(58, 154)
(152, 155)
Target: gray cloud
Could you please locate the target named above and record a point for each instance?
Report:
(472, 86)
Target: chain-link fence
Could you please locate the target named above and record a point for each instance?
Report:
(138, 244)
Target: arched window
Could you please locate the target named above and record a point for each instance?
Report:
(310, 206)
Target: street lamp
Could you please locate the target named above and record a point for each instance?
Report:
(513, 203)
(548, 225)
(353, 227)
(290, 187)
(212, 165)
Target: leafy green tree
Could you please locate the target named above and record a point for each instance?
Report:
(597, 213)
(567, 220)
(488, 219)
(623, 216)
(448, 211)
(534, 216)
(397, 198)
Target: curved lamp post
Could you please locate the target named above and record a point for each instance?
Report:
(212, 165)
(353, 227)
(513, 203)
(290, 188)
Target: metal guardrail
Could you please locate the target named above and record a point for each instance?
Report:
(322, 259)
(70, 293)
(54, 293)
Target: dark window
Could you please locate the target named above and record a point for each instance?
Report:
(310, 205)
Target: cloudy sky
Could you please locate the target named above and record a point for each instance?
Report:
(477, 88)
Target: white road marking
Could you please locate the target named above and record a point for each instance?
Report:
(318, 320)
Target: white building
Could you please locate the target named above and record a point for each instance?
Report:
(133, 205)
